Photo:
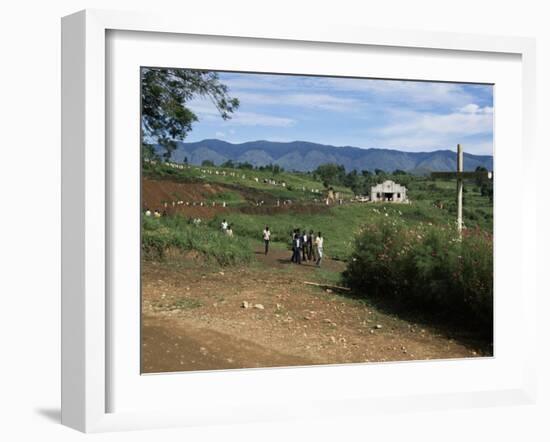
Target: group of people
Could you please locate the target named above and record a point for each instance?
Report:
(226, 228)
(305, 246)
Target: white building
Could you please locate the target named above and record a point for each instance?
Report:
(388, 191)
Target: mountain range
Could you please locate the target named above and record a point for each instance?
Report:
(305, 156)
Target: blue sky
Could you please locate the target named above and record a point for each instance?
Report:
(405, 115)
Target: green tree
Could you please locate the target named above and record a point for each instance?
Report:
(246, 165)
(148, 152)
(208, 163)
(479, 180)
(353, 181)
(164, 94)
(330, 173)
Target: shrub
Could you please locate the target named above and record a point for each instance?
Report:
(428, 268)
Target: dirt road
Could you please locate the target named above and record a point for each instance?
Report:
(194, 319)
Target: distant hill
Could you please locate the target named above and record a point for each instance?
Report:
(306, 156)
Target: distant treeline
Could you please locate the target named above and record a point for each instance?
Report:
(230, 164)
(359, 182)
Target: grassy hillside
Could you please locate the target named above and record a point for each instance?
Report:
(431, 202)
(298, 186)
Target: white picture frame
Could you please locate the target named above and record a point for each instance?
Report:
(86, 315)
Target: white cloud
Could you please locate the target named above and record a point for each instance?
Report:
(453, 124)
(321, 101)
(338, 94)
(475, 109)
(400, 91)
(256, 82)
(206, 111)
(470, 125)
(305, 100)
(220, 134)
(257, 119)
(427, 143)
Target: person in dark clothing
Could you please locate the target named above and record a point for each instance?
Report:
(310, 246)
(297, 259)
(303, 245)
(292, 236)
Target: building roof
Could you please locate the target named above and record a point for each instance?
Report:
(388, 186)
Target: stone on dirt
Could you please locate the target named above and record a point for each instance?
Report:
(259, 306)
(245, 304)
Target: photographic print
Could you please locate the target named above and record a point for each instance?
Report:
(297, 220)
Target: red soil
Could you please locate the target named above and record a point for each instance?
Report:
(165, 195)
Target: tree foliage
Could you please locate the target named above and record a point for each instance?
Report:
(330, 174)
(164, 94)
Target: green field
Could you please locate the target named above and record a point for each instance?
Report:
(432, 202)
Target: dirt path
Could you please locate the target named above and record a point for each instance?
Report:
(193, 319)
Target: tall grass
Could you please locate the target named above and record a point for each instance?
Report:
(159, 235)
(428, 267)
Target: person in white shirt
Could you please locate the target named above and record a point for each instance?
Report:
(267, 237)
(229, 231)
(147, 212)
(319, 246)
(225, 225)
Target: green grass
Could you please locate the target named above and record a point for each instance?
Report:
(477, 209)
(339, 224)
(229, 197)
(159, 235)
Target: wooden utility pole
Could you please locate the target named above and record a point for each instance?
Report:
(460, 176)
(459, 186)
